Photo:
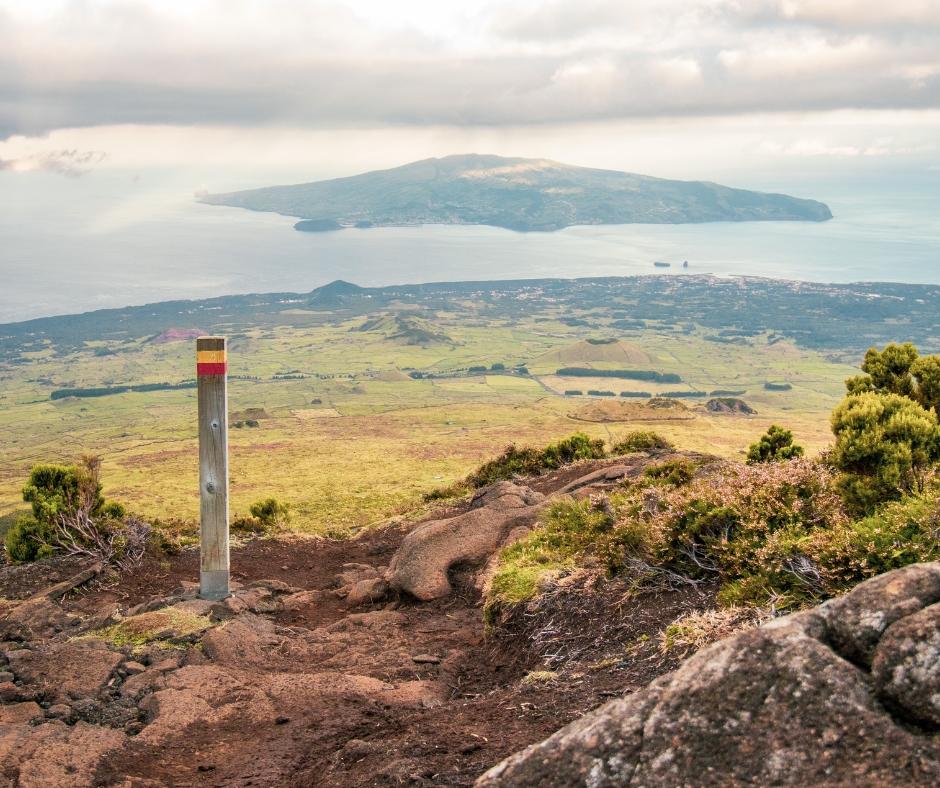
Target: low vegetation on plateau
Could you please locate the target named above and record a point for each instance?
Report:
(383, 395)
(782, 530)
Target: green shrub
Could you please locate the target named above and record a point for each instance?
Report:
(899, 369)
(61, 489)
(114, 510)
(776, 445)
(456, 490)
(7, 520)
(164, 542)
(529, 461)
(498, 367)
(71, 516)
(885, 444)
(578, 446)
(28, 539)
(640, 440)
(514, 461)
(271, 512)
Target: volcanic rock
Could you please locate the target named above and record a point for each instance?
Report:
(367, 592)
(239, 642)
(906, 666)
(67, 671)
(430, 551)
(779, 705)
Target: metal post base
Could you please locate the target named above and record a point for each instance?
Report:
(213, 585)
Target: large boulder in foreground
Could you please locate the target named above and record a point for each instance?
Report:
(789, 704)
(427, 554)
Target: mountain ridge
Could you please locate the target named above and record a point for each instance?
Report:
(513, 193)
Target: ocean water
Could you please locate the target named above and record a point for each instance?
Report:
(110, 240)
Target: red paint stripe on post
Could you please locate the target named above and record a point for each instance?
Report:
(211, 369)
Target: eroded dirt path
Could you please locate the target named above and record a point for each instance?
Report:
(294, 686)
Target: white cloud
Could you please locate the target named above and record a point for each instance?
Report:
(320, 64)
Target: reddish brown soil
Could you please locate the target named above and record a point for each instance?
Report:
(492, 712)
(604, 649)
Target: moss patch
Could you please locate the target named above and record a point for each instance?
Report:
(567, 529)
(157, 625)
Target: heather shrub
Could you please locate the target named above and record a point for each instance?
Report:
(776, 532)
(902, 532)
(675, 472)
(640, 440)
(693, 631)
(529, 461)
(753, 528)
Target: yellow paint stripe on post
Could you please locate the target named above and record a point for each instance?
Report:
(211, 357)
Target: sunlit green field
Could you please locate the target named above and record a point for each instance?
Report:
(355, 440)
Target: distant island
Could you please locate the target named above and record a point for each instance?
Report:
(518, 194)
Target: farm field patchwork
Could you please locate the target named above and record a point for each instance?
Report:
(352, 417)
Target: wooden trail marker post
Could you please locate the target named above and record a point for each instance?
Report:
(211, 369)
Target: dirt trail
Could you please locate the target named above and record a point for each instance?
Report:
(302, 689)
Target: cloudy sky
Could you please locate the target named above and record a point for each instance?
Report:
(87, 82)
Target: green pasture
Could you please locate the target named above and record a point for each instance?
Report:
(393, 439)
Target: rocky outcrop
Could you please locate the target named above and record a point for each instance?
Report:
(790, 704)
(604, 478)
(420, 567)
(729, 405)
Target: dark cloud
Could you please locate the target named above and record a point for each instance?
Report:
(316, 65)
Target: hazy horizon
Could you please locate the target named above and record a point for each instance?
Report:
(115, 113)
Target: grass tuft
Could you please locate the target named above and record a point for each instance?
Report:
(539, 676)
(691, 632)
